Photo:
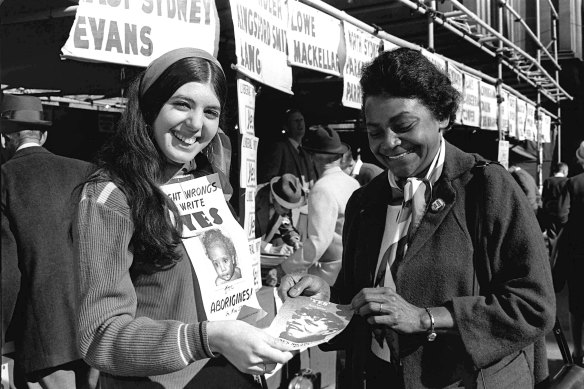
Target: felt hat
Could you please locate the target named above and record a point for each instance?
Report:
(18, 113)
(324, 140)
(287, 191)
(580, 153)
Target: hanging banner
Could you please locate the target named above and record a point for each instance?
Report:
(246, 106)
(512, 116)
(530, 128)
(521, 115)
(314, 39)
(488, 104)
(136, 32)
(249, 157)
(545, 128)
(361, 48)
(254, 250)
(470, 104)
(455, 76)
(216, 245)
(504, 111)
(388, 46)
(437, 60)
(503, 153)
(260, 41)
(249, 212)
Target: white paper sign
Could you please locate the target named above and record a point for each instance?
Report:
(249, 156)
(314, 39)
(521, 116)
(249, 213)
(503, 154)
(136, 32)
(260, 41)
(545, 128)
(246, 106)
(216, 245)
(488, 104)
(512, 116)
(304, 322)
(437, 60)
(530, 128)
(254, 250)
(361, 48)
(389, 46)
(470, 105)
(504, 110)
(455, 76)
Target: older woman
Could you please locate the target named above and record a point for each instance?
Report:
(443, 260)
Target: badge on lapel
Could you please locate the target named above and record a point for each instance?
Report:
(437, 205)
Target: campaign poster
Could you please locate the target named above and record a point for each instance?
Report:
(136, 32)
(314, 39)
(254, 250)
(246, 106)
(470, 103)
(361, 48)
(530, 128)
(512, 116)
(521, 116)
(304, 322)
(217, 247)
(504, 111)
(455, 76)
(260, 29)
(249, 212)
(248, 166)
(488, 104)
(545, 128)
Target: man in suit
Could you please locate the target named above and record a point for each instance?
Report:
(38, 279)
(287, 155)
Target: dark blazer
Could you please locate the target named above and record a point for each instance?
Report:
(572, 213)
(38, 257)
(497, 327)
(283, 158)
(551, 196)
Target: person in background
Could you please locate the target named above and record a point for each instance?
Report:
(39, 296)
(363, 172)
(571, 252)
(142, 320)
(528, 186)
(322, 251)
(443, 260)
(287, 155)
(273, 217)
(548, 214)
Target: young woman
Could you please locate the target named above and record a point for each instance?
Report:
(141, 320)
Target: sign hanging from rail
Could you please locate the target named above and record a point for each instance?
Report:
(521, 115)
(136, 32)
(512, 115)
(504, 110)
(488, 104)
(530, 128)
(314, 39)
(260, 41)
(455, 76)
(246, 106)
(361, 47)
(437, 60)
(470, 104)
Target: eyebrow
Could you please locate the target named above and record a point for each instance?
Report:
(184, 97)
(393, 119)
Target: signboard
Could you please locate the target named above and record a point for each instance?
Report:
(314, 39)
(249, 153)
(488, 104)
(545, 129)
(361, 47)
(246, 106)
(260, 41)
(136, 32)
(216, 245)
(437, 60)
(388, 46)
(470, 104)
(521, 114)
(530, 128)
(512, 115)
(455, 76)
(504, 111)
(503, 154)
(249, 213)
(254, 251)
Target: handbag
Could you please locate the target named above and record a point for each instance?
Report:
(570, 375)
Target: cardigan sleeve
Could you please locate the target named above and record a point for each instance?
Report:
(516, 305)
(111, 337)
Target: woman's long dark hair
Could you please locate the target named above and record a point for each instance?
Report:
(132, 160)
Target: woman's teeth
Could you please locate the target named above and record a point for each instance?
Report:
(184, 139)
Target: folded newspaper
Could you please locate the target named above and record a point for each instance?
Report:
(304, 322)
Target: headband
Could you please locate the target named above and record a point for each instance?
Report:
(160, 64)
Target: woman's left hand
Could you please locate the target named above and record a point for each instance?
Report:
(384, 307)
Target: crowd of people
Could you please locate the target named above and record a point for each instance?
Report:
(440, 253)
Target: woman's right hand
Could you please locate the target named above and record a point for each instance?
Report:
(249, 349)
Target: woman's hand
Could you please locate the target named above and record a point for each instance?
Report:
(284, 249)
(249, 349)
(384, 307)
(301, 284)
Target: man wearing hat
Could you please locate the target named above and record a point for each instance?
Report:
(38, 257)
(274, 222)
(323, 250)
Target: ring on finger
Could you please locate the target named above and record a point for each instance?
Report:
(265, 368)
(380, 307)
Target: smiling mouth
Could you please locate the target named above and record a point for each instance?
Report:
(184, 139)
(399, 156)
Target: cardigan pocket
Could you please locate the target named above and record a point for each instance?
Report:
(511, 372)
